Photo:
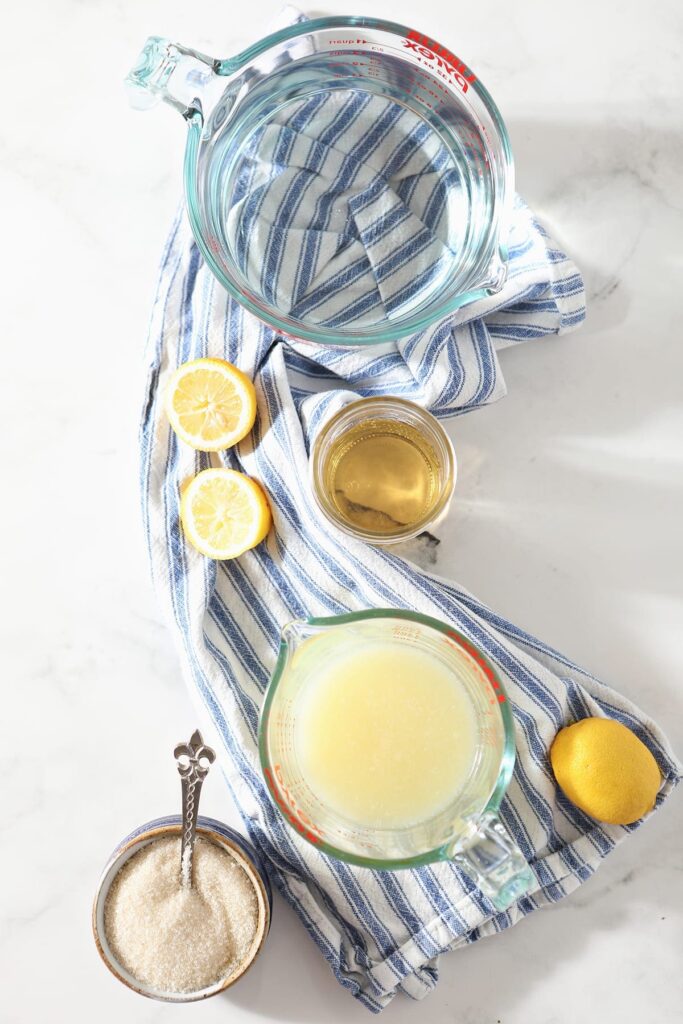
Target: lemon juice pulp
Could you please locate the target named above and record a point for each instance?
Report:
(385, 735)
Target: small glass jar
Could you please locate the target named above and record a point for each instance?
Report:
(383, 470)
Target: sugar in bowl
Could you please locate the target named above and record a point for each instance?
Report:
(182, 908)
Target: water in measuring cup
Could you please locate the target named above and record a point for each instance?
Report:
(347, 209)
(385, 735)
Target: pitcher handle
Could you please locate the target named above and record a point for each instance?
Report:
(494, 861)
(167, 71)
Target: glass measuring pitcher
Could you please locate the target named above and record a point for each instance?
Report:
(466, 828)
(347, 179)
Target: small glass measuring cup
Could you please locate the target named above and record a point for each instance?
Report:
(469, 831)
(452, 252)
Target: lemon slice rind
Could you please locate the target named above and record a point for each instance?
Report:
(224, 503)
(204, 394)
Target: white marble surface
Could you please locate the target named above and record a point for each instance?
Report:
(567, 517)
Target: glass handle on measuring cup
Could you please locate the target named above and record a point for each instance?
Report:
(173, 73)
(494, 861)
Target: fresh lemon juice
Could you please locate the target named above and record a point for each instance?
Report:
(385, 735)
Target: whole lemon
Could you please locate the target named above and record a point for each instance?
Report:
(605, 770)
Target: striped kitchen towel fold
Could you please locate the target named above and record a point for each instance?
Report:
(380, 932)
(348, 210)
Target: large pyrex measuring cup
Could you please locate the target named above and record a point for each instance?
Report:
(468, 831)
(347, 179)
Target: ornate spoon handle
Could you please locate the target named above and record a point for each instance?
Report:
(194, 760)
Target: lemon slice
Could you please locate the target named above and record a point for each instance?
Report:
(211, 404)
(224, 513)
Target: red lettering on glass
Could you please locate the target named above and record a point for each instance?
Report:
(442, 58)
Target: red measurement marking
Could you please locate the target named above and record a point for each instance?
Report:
(483, 665)
(292, 812)
(442, 58)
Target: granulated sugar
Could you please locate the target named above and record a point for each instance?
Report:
(177, 939)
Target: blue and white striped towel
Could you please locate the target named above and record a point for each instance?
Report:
(348, 210)
(380, 932)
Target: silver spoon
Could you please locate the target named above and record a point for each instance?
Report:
(194, 760)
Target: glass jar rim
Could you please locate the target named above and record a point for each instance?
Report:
(437, 437)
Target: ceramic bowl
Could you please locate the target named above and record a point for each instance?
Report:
(213, 831)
